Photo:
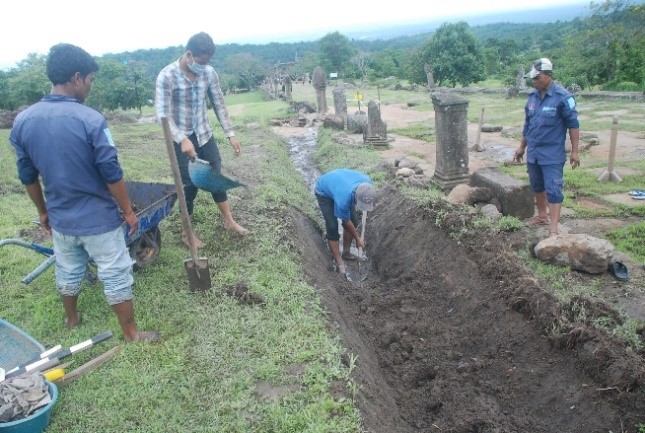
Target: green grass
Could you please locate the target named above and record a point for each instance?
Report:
(218, 355)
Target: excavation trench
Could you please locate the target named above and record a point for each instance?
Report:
(453, 335)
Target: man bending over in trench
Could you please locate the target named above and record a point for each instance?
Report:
(339, 192)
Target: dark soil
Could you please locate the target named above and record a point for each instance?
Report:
(456, 335)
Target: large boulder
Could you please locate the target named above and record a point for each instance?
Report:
(580, 252)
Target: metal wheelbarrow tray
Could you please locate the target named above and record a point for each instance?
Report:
(151, 202)
(16, 346)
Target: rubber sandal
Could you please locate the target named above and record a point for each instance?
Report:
(79, 320)
(348, 257)
(539, 221)
(147, 336)
(637, 192)
(619, 271)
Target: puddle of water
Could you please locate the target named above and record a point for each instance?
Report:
(301, 151)
(501, 153)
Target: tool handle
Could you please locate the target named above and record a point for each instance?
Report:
(185, 218)
(363, 223)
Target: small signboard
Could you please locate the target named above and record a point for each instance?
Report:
(333, 75)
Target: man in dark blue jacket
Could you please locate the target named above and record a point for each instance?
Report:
(550, 111)
(68, 147)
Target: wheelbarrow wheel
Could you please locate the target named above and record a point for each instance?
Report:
(145, 249)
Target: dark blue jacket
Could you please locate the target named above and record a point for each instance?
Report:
(546, 124)
(70, 146)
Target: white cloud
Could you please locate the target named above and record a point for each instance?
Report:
(33, 26)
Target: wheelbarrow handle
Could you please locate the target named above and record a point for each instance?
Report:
(39, 270)
(31, 245)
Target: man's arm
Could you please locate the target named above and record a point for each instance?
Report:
(35, 192)
(349, 226)
(574, 135)
(120, 194)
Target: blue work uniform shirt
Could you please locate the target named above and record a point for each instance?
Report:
(546, 123)
(339, 185)
(70, 146)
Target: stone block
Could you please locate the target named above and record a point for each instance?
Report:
(515, 196)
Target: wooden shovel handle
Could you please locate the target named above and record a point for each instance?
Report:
(179, 186)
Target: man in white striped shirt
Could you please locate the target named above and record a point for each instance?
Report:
(182, 92)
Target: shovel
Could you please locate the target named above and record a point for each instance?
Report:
(199, 277)
(364, 270)
(204, 177)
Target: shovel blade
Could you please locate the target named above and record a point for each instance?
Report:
(199, 277)
(204, 177)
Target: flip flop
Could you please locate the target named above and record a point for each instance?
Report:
(537, 220)
(637, 192)
(348, 257)
(79, 320)
(146, 337)
(619, 271)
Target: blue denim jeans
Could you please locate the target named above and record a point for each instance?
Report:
(110, 254)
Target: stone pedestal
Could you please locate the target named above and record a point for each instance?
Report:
(451, 126)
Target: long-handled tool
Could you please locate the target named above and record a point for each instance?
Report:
(53, 359)
(199, 277)
(365, 269)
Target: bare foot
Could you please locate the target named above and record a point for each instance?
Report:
(74, 323)
(196, 241)
(236, 228)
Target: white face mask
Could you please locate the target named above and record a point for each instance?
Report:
(196, 68)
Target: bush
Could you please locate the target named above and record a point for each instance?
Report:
(579, 82)
(623, 86)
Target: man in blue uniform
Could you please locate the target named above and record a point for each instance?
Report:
(339, 192)
(550, 111)
(69, 147)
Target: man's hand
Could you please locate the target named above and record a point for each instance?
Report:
(44, 223)
(237, 149)
(132, 221)
(360, 243)
(574, 160)
(188, 148)
(518, 156)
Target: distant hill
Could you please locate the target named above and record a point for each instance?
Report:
(531, 16)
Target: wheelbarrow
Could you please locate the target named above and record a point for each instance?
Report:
(151, 202)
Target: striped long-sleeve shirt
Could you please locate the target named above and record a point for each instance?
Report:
(183, 102)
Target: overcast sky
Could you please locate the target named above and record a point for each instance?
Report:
(114, 26)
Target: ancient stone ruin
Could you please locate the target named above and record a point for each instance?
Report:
(451, 125)
(376, 130)
(320, 84)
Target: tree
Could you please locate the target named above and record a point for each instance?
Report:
(454, 54)
(362, 62)
(250, 70)
(28, 83)
(610, 45)
(335, 52)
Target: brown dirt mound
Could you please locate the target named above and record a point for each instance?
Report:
(455, 335)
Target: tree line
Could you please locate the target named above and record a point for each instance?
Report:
(605, 49)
